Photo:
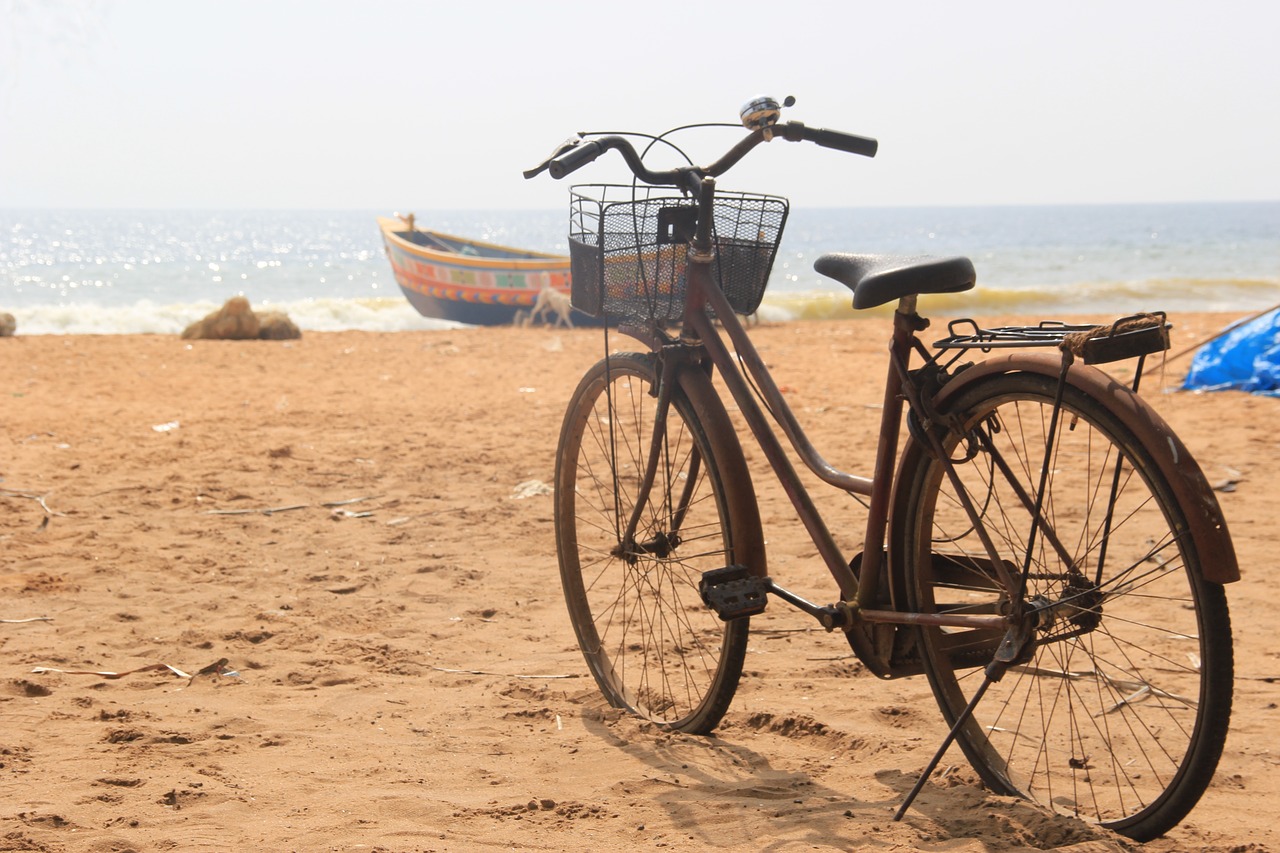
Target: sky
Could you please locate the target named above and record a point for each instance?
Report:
(394, 105)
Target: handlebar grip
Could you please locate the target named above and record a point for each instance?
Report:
(841, 141)
(575, 158)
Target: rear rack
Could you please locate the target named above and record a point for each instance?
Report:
(1128, 337)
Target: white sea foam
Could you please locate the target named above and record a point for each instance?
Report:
(149, 318)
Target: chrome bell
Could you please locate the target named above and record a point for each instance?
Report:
(763, 111)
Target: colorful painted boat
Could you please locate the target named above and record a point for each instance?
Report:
(468, 281)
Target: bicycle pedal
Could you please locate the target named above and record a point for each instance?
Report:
(733, 592)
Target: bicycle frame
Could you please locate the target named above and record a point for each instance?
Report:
(860, 591)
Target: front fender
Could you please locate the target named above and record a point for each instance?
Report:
(1204, 516)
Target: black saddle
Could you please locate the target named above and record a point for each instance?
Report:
(877, 279)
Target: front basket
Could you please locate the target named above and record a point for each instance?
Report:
(629, 249)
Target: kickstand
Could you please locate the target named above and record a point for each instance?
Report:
(1015, 640)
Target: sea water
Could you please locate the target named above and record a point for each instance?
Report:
(110, 272)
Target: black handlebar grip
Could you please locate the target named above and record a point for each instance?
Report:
(841, 141)
(575, 158)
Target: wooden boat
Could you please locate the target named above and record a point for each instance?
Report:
(468, 281)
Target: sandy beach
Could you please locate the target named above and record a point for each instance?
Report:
(356, 523)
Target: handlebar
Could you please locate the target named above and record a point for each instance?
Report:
(837, 139)
(585, 152)
(579, 152)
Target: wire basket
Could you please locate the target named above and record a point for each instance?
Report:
(628, 247)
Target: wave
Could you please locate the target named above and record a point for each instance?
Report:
(393, 314)
(1169, 295)
(373, 314)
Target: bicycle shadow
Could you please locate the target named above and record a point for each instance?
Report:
(705, 783)
(958, 805)
(708, 783)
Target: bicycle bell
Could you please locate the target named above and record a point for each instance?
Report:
(762, 113)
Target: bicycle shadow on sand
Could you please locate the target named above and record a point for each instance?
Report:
(717, 788)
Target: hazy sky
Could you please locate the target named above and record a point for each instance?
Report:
(434, 105)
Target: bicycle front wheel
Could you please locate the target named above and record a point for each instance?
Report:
(653, 647)
(1120, 714)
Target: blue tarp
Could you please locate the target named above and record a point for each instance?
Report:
(1246, 358)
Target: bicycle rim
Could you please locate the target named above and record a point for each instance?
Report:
(653, 647)
(1120, 714)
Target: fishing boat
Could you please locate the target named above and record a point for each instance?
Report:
(469, 281)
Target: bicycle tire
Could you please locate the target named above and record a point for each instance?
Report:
(1120, 714)
(653, 647)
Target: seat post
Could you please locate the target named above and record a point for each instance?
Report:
(906, 322)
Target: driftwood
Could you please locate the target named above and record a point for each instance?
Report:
(219, 667)
(9, 493)
(497, 674)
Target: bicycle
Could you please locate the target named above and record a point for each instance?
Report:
(1042, 546)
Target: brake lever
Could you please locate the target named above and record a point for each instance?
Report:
(568, 145)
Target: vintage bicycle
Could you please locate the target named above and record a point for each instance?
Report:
(1038, 542)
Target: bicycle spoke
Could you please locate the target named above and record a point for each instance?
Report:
(1102, 718)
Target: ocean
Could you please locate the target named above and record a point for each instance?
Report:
(153, 272)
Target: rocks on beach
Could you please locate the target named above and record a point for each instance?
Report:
(236, 321)
(276, 326)
(8, 325)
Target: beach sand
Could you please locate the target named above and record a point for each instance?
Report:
(348, 520)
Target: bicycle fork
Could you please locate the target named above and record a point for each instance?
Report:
(666, 540)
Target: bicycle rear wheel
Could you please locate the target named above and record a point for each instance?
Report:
(1120, 714)
(653, 647)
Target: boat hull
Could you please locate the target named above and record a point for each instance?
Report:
(441, 307)
(467, 281)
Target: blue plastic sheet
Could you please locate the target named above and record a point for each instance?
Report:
(1246, 358)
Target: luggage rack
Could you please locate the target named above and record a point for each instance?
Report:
(1128, 337)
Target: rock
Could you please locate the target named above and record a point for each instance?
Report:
(234, 321)
(276, 326)
(8, 325)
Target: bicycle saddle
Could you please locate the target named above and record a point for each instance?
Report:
(877, 279)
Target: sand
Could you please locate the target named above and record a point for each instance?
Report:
(354, 522)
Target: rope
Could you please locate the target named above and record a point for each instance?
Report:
(1074, 342)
